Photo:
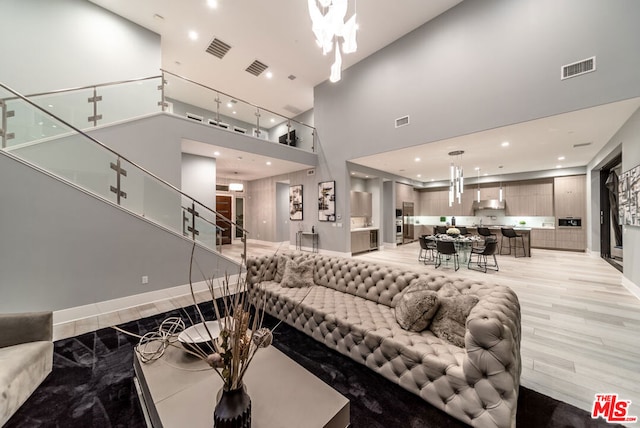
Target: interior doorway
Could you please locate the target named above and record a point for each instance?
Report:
(610, 228)
(223, 206)
(239, 216)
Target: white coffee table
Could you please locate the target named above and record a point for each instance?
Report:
(179, 390)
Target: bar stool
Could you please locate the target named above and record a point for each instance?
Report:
(511, 234)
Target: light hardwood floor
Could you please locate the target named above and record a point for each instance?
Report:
(580, 326)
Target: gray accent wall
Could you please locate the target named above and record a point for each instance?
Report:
(63, 248)
(480, 65)
(52, 45)
(199, 178)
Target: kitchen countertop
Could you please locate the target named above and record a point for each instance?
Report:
(361, 229)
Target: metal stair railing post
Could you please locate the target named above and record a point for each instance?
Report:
(3, 126)
(163, 102)
(120, 172)
(95, 99)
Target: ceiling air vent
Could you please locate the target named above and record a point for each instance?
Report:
(218, 48)
(256, 68)
(577, 68)
(291, 77)
(575, 146)
(292, 109)
(402, 121)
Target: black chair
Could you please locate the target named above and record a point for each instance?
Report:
(427, 248)
(481, 256)
(447, 248)
(463, 230)
(439, 230)
(486, 233)
(511, 235)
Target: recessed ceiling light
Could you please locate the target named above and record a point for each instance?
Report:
(273, 120)
(561, 158)
(216, 153)
(213, 4)
(419, 175)
(50, 105)
(433, 179)
(229, 104)
(268, 162)
(234, 112)
(193, 35)
(505, 144)
(269, 75)
(477, 168)
(353, 173)
(485, 174)
(558, 166)
(417, 159)
(366, 176)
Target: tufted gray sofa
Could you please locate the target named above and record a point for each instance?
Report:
(350, 308)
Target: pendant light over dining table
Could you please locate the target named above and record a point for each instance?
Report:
(332, 32)
(456, 181)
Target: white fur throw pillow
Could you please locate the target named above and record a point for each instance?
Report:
(449, 323)
(280, 267)
(415, 308)
(297, 274)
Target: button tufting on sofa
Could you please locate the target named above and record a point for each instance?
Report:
(351, 308)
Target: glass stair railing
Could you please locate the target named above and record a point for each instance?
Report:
(87, 107)
(60, 148)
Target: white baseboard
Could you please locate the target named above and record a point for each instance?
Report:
(629, 285)
(108, 306)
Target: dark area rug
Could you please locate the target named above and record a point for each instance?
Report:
(91, 385)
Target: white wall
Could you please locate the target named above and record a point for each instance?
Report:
(48, 45)
(199, 178)
(480, 65)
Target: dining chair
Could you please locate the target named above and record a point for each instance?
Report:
(481, 254)
(512, 236)
(463, 230)
(427, 248)
(447, 248)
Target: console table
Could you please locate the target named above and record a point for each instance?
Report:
(314, 240)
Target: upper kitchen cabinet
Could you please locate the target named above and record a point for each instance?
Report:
(361, 204)
(405, 193)
(529, 198)
(569, 196)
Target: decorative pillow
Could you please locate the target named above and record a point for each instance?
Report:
(280, 267)
(297, 274)
(415, 309)
(449, 322)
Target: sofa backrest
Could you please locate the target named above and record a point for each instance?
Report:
(379, 284)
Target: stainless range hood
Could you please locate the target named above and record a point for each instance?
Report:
(488, 204)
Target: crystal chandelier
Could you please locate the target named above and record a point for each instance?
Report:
(456, 181)
(328, 25)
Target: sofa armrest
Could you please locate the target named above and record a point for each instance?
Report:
(25, 327)
(492, 342)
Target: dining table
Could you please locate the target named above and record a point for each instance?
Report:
(463, 243)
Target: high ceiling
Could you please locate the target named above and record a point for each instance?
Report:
(278, 34)
(275, 32)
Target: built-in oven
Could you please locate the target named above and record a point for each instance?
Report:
(570, 222)
(399, 230)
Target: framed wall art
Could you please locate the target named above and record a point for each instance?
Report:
(295, 202)
(327, 201)
(629, 197)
